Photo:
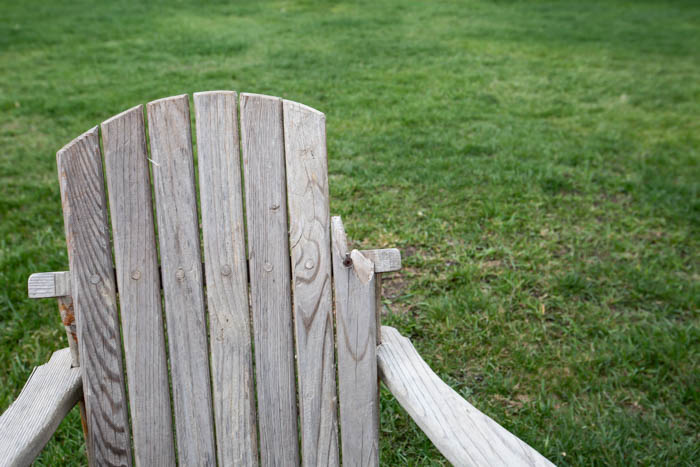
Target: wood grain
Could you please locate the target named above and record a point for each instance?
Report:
(94, 299)
(268, 251)
(49, 284)
(385, 259)
(309, 238)
(178, 237)
(227, 282)
(463, 434)
(129, 188)
(57, 284)
(29, 422)
(357, 360)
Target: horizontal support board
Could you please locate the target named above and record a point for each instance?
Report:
(57, 284)
(385, 260)
(49, 284)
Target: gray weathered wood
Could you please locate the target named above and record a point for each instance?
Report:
(129, 188)
(309, 238)
(357, 361)
(461, 432)
(385, 260)
(226, 272)
(49, 284)
(48, 395)
(268, 247)
(94, 299)
(57, 284)
(178, 237)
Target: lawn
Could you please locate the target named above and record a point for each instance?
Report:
(537, 163)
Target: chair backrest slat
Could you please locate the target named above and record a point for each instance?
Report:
(268, 250)
(129, 188)
(181, 270)
(309, 237)
(357, 358)
(94, 298)
(221, 200)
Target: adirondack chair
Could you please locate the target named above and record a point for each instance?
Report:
(225, 404)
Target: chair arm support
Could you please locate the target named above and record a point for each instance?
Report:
(463, 434)
(49, 394)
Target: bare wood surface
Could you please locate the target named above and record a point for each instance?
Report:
(29, 422)
(49, 284)
(129, 188)
(226, 272)
(309, 238)
(357, 361)
(94, 299)
(385, 260)
(57, 284)
(178, 237)
(268, 247)
(463, 434)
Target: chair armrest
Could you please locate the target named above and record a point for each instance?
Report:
(464, 435)
(49, 394)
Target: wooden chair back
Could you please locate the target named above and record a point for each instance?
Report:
(190, 291)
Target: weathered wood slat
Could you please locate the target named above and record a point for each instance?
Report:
(48, 395)
(49, 284)
(463, 434)
(268, 247)
(178, 237)
(94, 299)
(357, 360)
(309, 237)
(129, 188)
(226, 271)
(385, 260)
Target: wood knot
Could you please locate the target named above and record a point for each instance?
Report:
(309, 264)
(94, 279)
(267, 267)
(347, 261)
(180, 274)
(225, 270)
(136, 274)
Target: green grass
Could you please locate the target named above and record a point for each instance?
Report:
(536, 162)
